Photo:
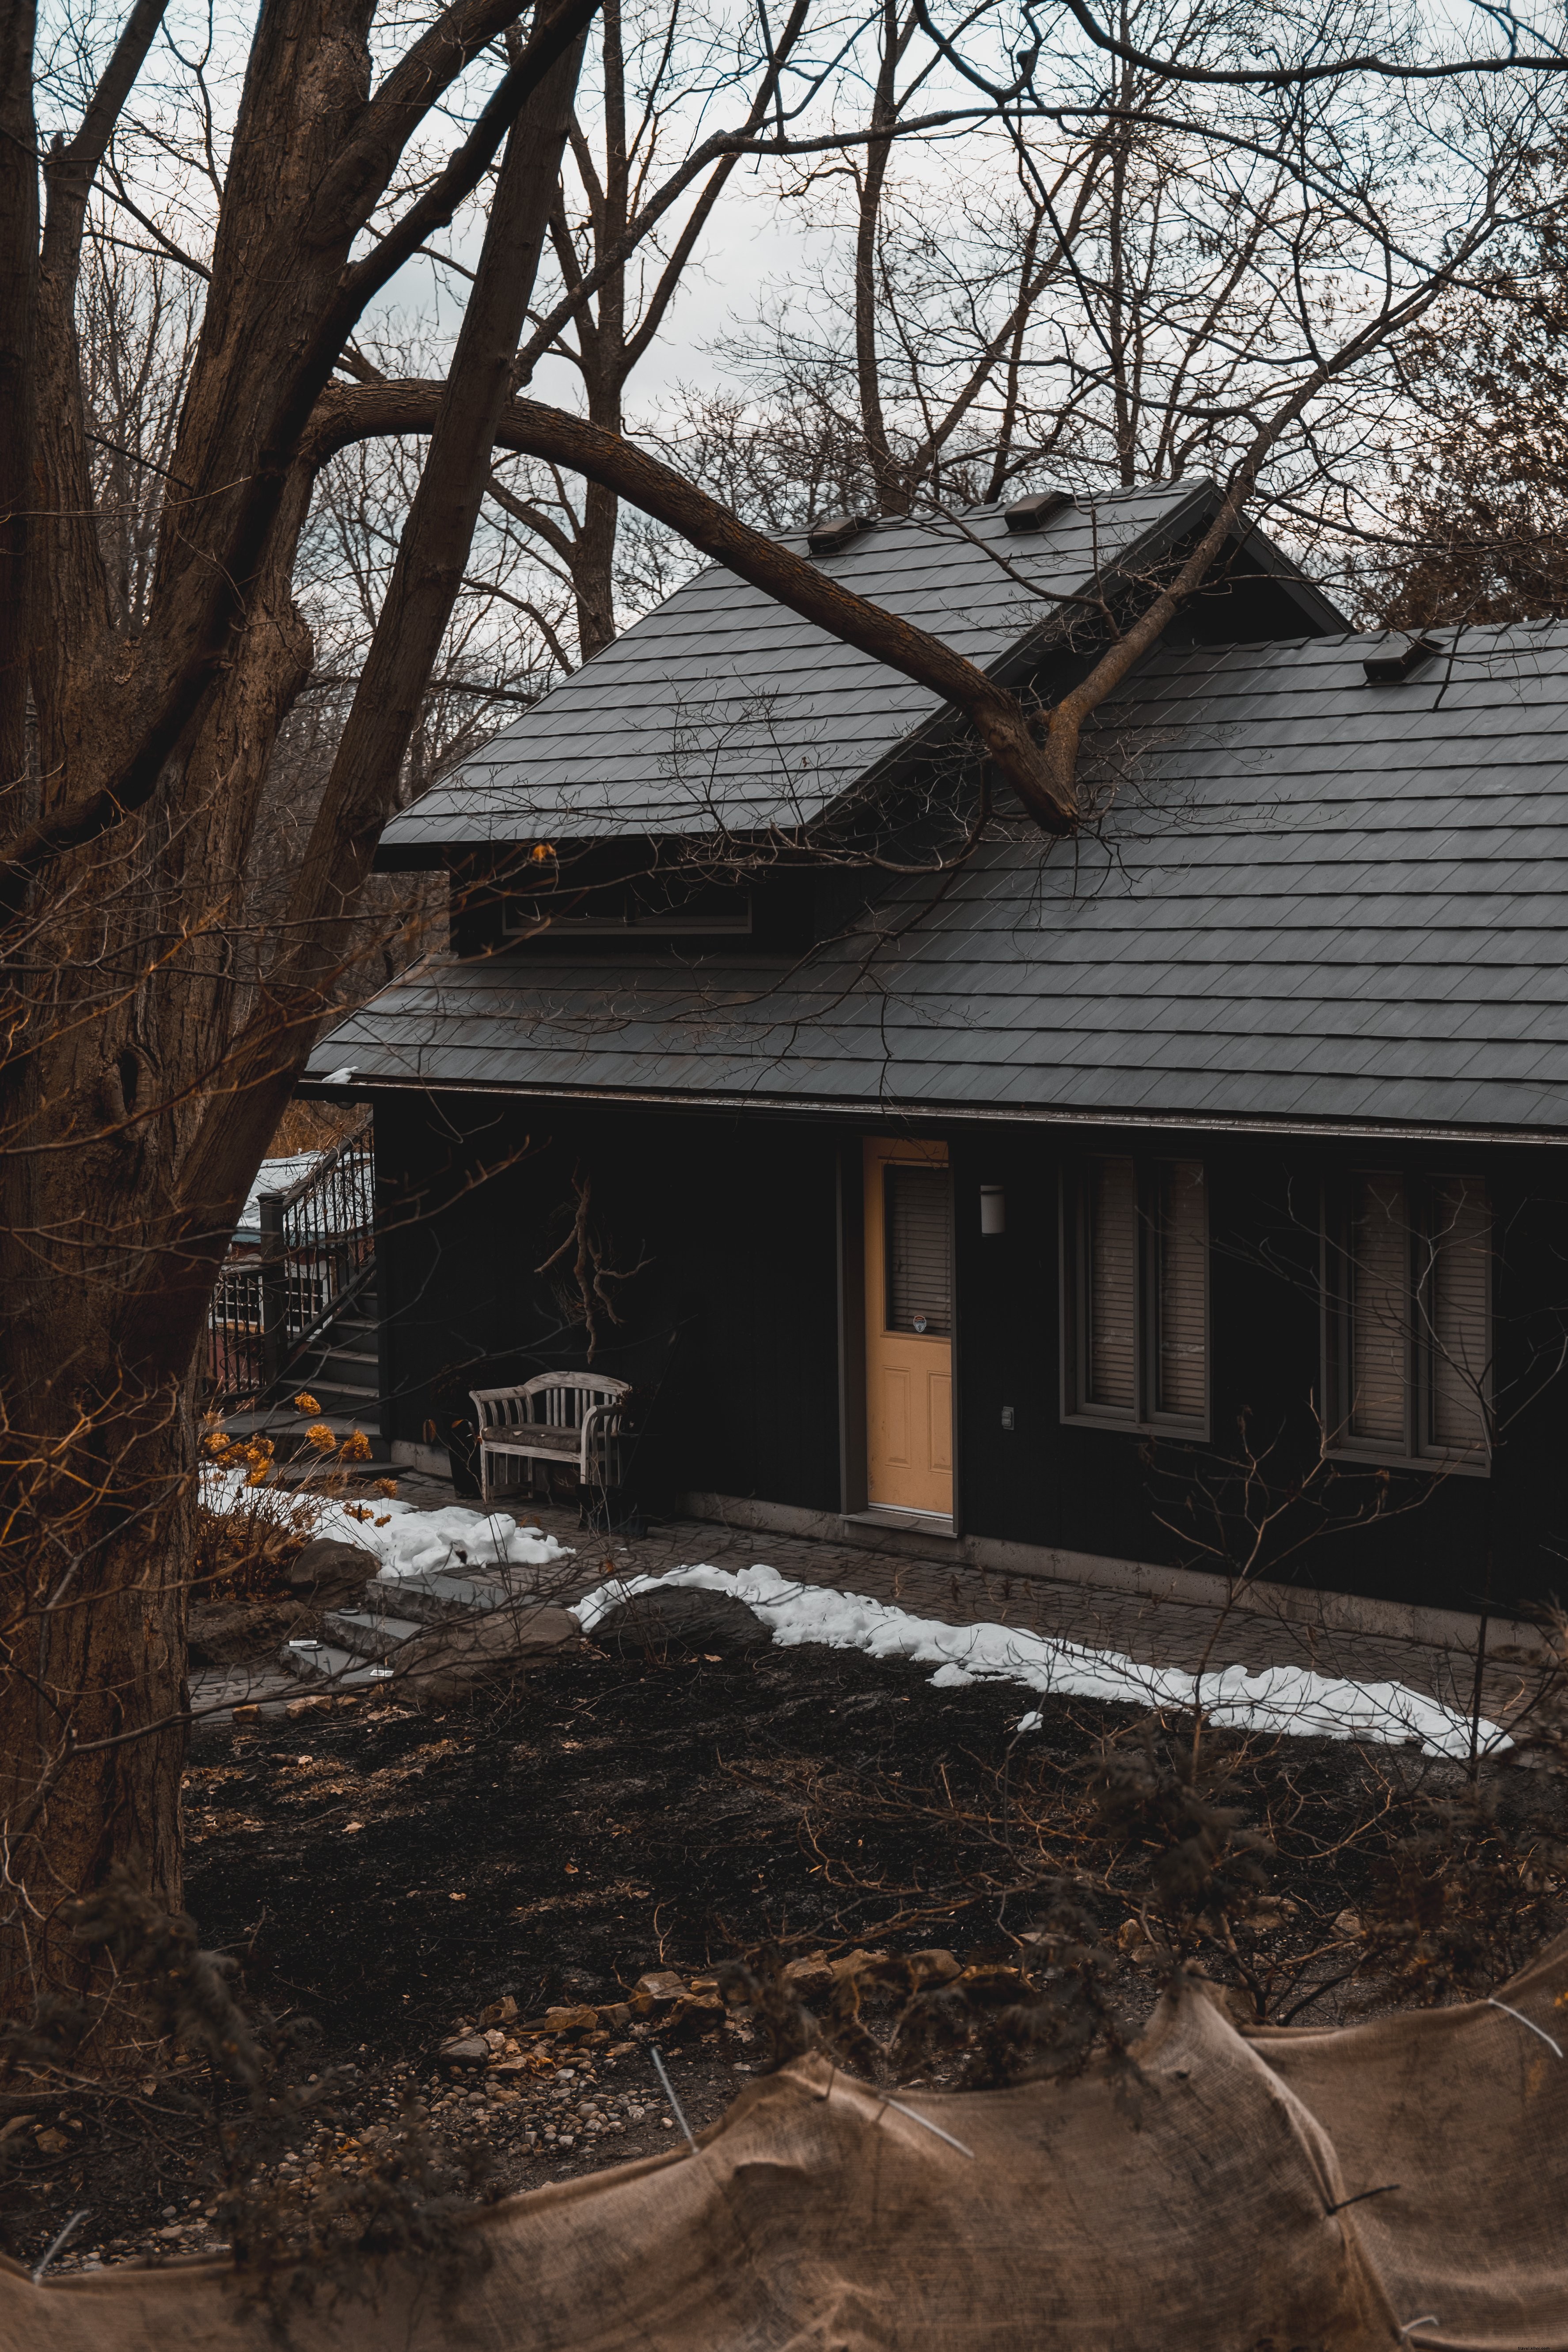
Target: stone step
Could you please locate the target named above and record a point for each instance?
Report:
(348, 1363)
(370, 1634)
(357, 1396)
(433, 1597)
(322, 1662)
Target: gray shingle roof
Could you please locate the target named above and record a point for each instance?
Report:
(1312, 901)
(724, 708)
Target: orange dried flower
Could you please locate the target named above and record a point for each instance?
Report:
(387, 1486)
(356, 1511)
(306, 1403)
(357, 1447)
(323, 1439)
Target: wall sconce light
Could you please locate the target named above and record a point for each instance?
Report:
(993, 1209)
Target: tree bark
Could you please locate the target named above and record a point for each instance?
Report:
(130, 1129)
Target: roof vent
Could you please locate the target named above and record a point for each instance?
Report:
(1033, 513)
(1399, 657)
(834, 531)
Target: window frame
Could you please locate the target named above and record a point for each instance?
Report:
(1419, 1451)
(1143, 1418)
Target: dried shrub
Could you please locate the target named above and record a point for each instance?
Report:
(992, 2022)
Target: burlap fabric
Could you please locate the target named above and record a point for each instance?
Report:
(1206, 2211)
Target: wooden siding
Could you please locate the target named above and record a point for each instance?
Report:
(737, 1308)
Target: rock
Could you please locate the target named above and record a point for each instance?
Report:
(464, 1654)
(853, 1962)
(1131, 1935)
(500, 2013)
(694, 2014)
(52, 2143)
(617, 2014)
(580, 2020)
(662, 1985)
(935, 1966)
(328, 1570)
(809, 1975)
(1348, 1923)
(681, 1620)
(467, 2050)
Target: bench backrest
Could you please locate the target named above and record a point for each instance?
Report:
(558, 1400)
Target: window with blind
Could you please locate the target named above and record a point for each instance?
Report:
(1407, 1317)
(1135, 1293)
(918, 1223)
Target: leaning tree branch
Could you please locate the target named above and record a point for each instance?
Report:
(346, 413)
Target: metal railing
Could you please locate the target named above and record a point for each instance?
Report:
(317, 1247)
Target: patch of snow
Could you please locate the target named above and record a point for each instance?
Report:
(274, 1176)
(1273, 1699)
(411, 1543)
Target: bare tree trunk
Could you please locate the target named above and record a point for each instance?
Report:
(892, 491)
(18, 267)
(602, 345)
(134, 1107)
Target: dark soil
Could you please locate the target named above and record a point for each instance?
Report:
(388, 1875)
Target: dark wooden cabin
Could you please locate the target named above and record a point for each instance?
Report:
(999, 1195)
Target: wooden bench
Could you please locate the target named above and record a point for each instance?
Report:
(567, 1417)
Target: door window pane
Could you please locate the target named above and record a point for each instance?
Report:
(1380, 1310)
(918, 1224)
(1181, 1370)
(1110, 1355)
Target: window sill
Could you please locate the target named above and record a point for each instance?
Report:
(1429, 1466)
(1195, 1432)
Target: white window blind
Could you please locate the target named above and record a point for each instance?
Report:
(1181, 1370)
(1380, 1310)
(1460, 1245)
(1110, 1239)
(918, 1215)
(1412, 1316)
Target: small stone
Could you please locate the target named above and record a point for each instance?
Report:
(1348, 1923)
(936, 1966)
(853, 1962)
(580, 2020)
(52, 2143)
(661, 1984)
(467, 2050)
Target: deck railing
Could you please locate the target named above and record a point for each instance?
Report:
(317, 1247)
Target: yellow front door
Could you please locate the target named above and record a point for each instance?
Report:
(908, 1327)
